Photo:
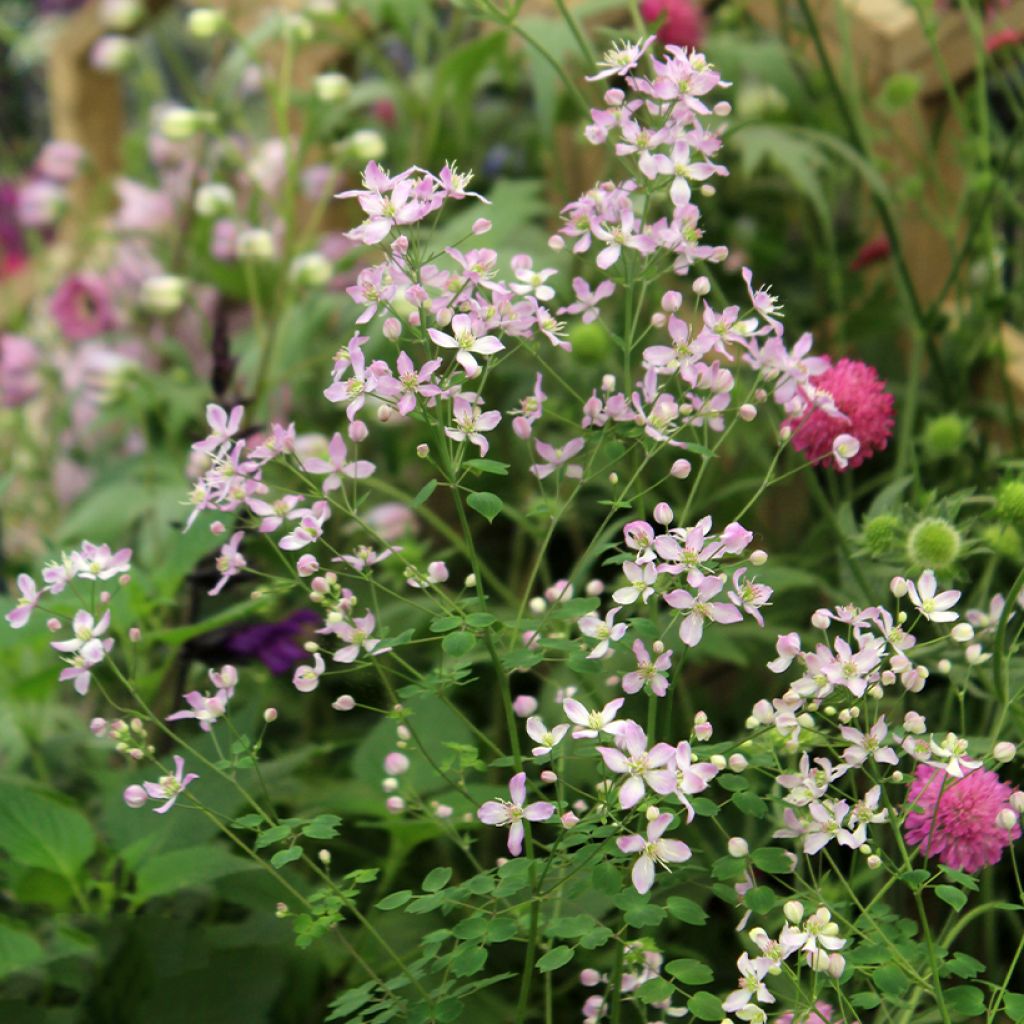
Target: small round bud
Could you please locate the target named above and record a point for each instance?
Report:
(663, 514)
(945, 666)
(681, 469)
(934, 543)
(120, 15)
(332, 87)
(365, 145)
(422, 451)
(214, 200)
(944, 436)
(470, 581)
(747, 412)
(255, 245)
(270, 715)
(548, 776)
(1004, 752)
(718, 761)
(880, 534)
(962, 632)
(594, 588)
(652, 813)
(758, 557)
(205, 22)
(162, 294)
(613, 479)
(821, 619)
(1010, 502)
(281, 910)
(898, 586)
(1006, 820)
(324, 856)
(793, 911)
(524, 705)
(346, 702)
(537, 605)
(135, 796)
(1017, 800)
(874, 861)
(111, 53)
(737, 763)
(737, 847)
(701, 286)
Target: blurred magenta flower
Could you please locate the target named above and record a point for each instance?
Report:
(82, 306)
(683, 24)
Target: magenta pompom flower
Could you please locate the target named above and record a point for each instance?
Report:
(849, 398)
(822, 1015)
(955, 819)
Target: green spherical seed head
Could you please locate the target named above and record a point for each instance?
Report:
(944, 436)
(933, 543)
(1010, 502)
(589, 341)
(1004, 540)
(880, 534)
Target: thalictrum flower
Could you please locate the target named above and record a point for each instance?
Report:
(555, 458)
(30, 595)
(307, 677)
(544, 737)
(513, 812)
(653, 849)
(471, 423)
(169, 787)
(933, 606)
(701, 609)
(642, 767)
(590, 723)
(641, 580)
(230, 562)
(647, 672)
(466, 340)
(605, 631)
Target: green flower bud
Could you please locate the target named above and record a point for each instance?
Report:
(880, 534)
(589, 341)
(332, 87)
(205, 22)
(944, 436)
(933, 543)
(1004, 540)
(1010, 502)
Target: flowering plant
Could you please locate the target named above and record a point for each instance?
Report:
(526, 635)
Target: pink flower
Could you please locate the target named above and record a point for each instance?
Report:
(700, 608)
(512, 812)
(205, 710)
(683, 24)
(955, 819)
(230, 562)
(587, 304)
(358, 637)
(466, 340)
(337, 465)
(933, 606)
(168, 788)
(865, 412)
(589, 723)
(307, 677)
(142, 208)
(822, 1015)
(653, 850)
(19, 359)
(647, 672)
(544, 737)
(605, 631)
(60, 160)
(470, 423)
(82, 306)
(643, 767)
(19, 615)
(555, 458)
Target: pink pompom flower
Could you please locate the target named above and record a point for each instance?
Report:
(955, 819)
(848, 398)
(683, 24)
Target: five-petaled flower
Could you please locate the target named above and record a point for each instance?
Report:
(513, 812)
(653, 849)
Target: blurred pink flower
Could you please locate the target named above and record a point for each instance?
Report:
(142, 208)
(81, 306)
(60, 161)
(19, 360)
(683, 24)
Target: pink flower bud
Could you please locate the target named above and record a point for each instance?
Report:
(98, 726)
(270, 715)
(663, 514)
(548, 776)
(671, 301)
(358, 431)
(443, 811)
(307, 565)
(395, 804)
(524, 705)
(53, 624)
(217, 528)
(396, 763)
(481, 226)
(346, 702)
(681, 469)
(589, 977)
(135, 796)
(392, 328)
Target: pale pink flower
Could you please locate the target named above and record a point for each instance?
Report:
(620, 59)
(358, 638)
(512, 812)
(933, 606)
(647, 672)
(544, 737)
(338, 465)
(590, 723)
(605, 631)
(640, 583)
(19, 615)
(169, 787)
(701, 609)
(471, 424)
(306, 678)
(868, 745)
(642, 767)
(230, 562)
(557, 458)
(205, 710)
(653, 850)
(466, 340)
(310, 528)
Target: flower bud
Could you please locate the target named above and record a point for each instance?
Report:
(718, 761)
(898, 586)
(270, 715)
(524, 705)
(594, 588)
(205, 22)
(332, 87)
(1006, 820)
(255, 244)
(945, 666)
(422, 451)
(135, 796)
(365, 145)
(324, 856)
(701, 286)
(537, 605)
(737, 763)
(470, 581)
(396, 763)
(311, 269)
(793, 910)
(162, 294)
(737, 847)
(214, 199)
(874, 861)
(962, 632)
(836, 965)
(1004, 752)
(346, 702)
(663, 514)
(747, 412)
(1017, 801)
(652, 813)
(548, 776)
(821, 619)
(395, 804)
(120, 15)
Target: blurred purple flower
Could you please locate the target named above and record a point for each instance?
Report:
(277, 644)
(12, 239)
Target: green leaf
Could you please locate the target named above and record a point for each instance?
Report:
(773, 859)
(865, 1000)
(685, 910)
(41, 832)
(891, 981)
(457, 644)
(965, 999)
(468, 960)
(323, 826)
(183, 869)
(437, 879)
(557, 956)
(656, 990)
(690, 972)
(761, 899)
(705, 1006)
(19, 949)
(1013, 1006)
(423, 494)
(962, 966)
(952, 895)
(750, 803)
(395, 900)
(488, 466)
(286, 856)
(487, 504)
